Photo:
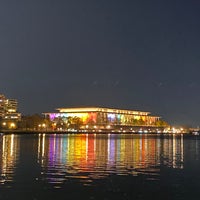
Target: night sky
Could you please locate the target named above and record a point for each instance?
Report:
(130, 54)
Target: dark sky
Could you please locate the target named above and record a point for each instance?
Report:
(130, 54)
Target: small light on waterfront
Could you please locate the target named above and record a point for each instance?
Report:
(12, 125)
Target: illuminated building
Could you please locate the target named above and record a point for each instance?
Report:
(98, 118)
(2, 105)
(8, 112)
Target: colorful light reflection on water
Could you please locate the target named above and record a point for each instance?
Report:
(94, 155)
(54, 160)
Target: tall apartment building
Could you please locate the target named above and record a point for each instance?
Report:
(9, 109)
(2, 105)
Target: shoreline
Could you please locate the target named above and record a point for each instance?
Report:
(83, 132)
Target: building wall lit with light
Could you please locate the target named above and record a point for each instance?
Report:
(103, 118)
(2, 105)
(9, 114)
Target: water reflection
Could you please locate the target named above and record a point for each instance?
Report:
(8, 157)
(87, 157)
(93, 156)
(173, 151)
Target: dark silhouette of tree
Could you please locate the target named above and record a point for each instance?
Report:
(74, 122)
(138, 122)
(33, 122)
(161, 123)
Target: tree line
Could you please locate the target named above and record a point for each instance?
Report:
(39, 122)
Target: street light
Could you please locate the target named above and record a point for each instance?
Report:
(4, 125)
(12, 125)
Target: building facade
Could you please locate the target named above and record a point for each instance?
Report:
(9, 114)
(101, 118)
(2, 105)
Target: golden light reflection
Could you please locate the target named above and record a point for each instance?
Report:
(93, 156)
(99, 154)
(8, 157)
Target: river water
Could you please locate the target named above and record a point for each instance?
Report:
(99, 166)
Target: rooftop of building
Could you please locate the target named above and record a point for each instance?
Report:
(101, 109)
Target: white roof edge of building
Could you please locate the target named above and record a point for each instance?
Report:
(94, 109)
